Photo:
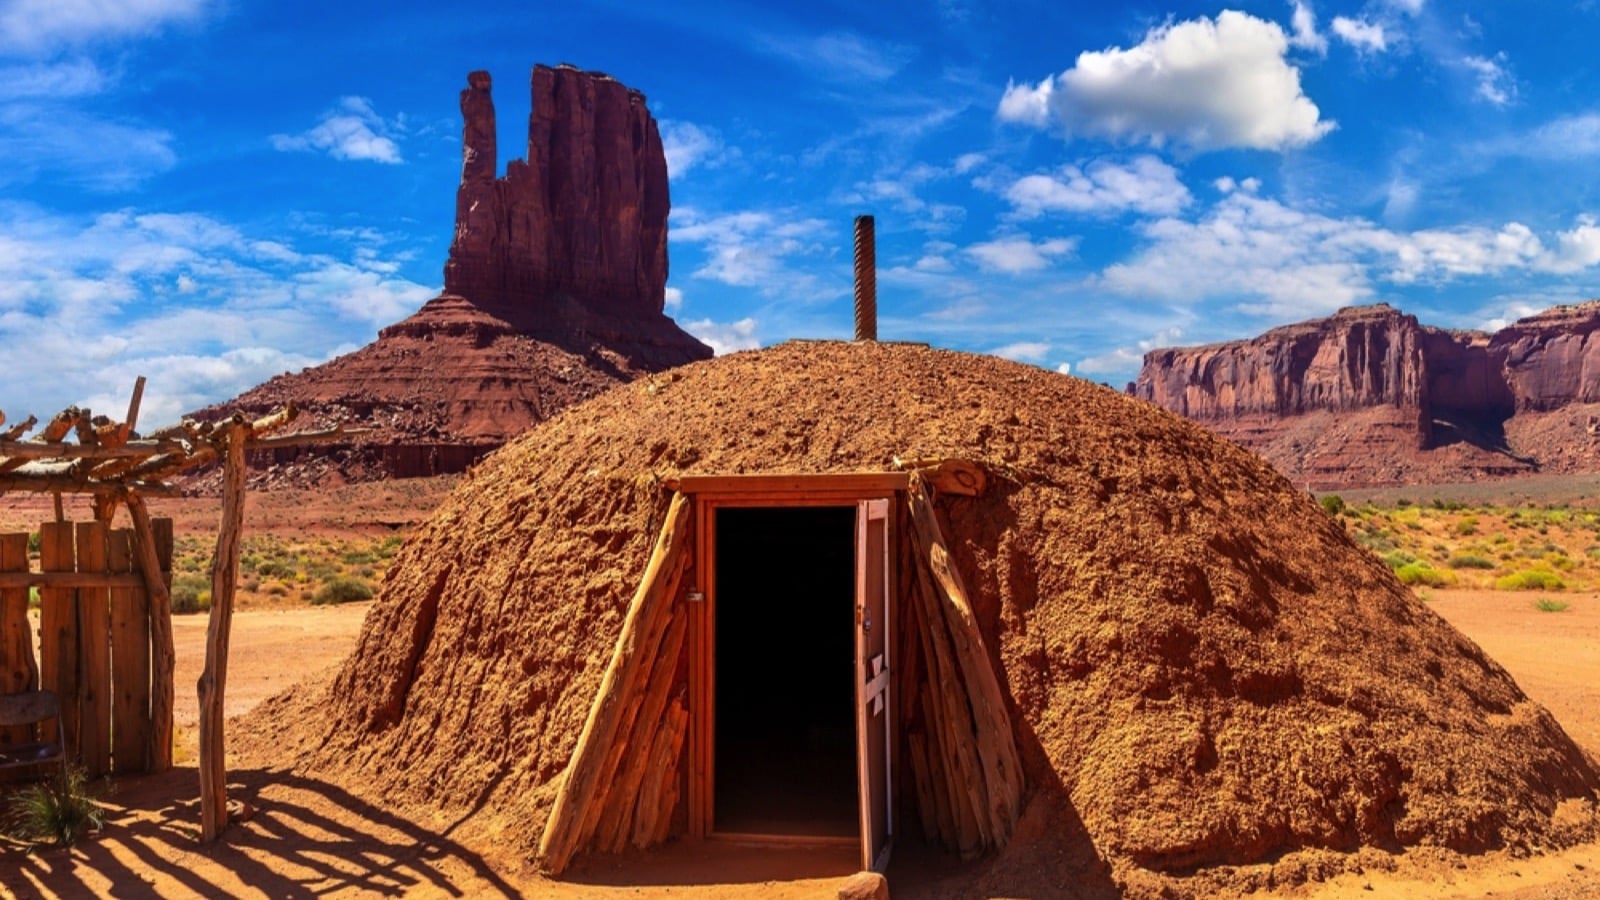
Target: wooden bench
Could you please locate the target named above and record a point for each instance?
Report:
(31, 708)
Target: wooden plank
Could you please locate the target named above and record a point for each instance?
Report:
(1001, 765)
(951, 725)
(214, 678)
(130, 663)
(58, 631)
(152, 546)
(864, 485)
(631, 696)
(615, 827)
(697, 782)
(66, 484)
(641, 632)
(94, 655)
(658, 793)
(25, 579)
(19, 669)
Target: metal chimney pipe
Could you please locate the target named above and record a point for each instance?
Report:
(866, 281)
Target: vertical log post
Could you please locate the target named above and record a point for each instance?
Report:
(214, 680)
(162, 656)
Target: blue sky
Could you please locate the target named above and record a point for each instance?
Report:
(210, 192)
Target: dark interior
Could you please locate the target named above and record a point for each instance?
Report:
(785, 652)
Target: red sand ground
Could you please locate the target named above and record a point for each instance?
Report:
(306, 838)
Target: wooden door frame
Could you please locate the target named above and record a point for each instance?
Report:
(711, 493)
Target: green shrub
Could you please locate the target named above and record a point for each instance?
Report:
(1394, 559)
(1531, 580)
(33, 597)
(1467, 526)
(275, 568)
(1332, 504)
(1550, 604)
(33, 543)
(1420, 573)
(342, 590)
(60, 810)
(191, 593)
(1470, 561)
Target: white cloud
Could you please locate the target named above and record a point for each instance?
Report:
(352, 131)
(686, 146)
(37, 25)
(1495, 85)
(1569, 137)
(102, 154)
(1027, 104)
(1123, 359)
(1206, 83)
(966, 162)
(752, 248)
(674, 300)
(1023, 351)
(1409, 7)
(184, 298)
(1304, 22)
(1145, 185)
(55, 80)
(1064, 368)
(1282, 262)
(725, 337)
(1575, 250)
(1017, 255)
(1367, 37)
(845, 56)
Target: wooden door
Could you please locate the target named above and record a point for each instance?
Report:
(873, 707)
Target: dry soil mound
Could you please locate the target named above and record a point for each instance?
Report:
(1203, 668)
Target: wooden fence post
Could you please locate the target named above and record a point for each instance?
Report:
(214, 680)
(162, 656)
(19, 671)
(130, 663)
(94, 655)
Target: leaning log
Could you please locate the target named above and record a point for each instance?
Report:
(618, 698)
(162, 655)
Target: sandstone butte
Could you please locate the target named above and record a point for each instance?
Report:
(1368, 396)
(554, 291)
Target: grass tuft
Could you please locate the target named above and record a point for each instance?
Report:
(62, 810)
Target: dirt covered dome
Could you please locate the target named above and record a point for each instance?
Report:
(1202, 668)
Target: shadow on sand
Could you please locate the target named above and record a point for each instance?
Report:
(289, 846)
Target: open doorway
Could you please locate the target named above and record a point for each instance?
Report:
(785, 741)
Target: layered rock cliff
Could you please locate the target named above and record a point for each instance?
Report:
(554, 291)
(1371, 396)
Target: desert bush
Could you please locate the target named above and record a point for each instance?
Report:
(1470, 561)
(62, 810)
(33, 598)
(1394, 559)
(33, 543)
(275, 568)
(358, 557)
(1420, 573)
(191, 593)
(1467, 526)
(1550, 604)
(1332, 504)
(1531, 580)
(342, 590)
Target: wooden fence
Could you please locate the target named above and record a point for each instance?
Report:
(94, 640)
